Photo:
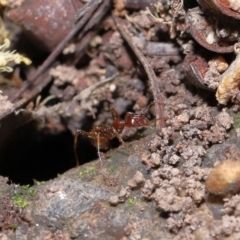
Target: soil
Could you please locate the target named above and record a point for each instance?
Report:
(147, 180)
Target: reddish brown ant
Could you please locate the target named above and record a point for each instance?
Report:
(101, 135)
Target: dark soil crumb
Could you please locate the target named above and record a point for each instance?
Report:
(110, 181)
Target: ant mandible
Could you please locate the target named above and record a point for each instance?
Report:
(101, 135)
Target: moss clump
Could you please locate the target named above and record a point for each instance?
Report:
(131, 201)
(87, 171)
(112, 169)
(19, 201)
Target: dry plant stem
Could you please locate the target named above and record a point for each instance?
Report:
(87, 91)
(80, 46)
(87, 7)
(24, 101)
(86, 13)
(75, 7)
(147, 67)
(86, 36)
(84, 95)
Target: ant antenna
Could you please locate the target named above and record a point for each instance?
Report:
(158, 119)
(150, 104)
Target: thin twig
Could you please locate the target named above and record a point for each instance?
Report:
(86, 13)
(84, 95)
(87, 7)
(148, 69)
(35, 92)
(85, 35)
(87, 91)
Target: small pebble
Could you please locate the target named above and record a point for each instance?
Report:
(224, 178)
(137, 180)
(113, 200)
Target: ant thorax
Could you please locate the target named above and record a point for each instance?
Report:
(136, 120)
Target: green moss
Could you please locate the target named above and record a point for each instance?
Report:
(153, 124)
(131, 201)
(139, 134)
(123, 151)
(112, 169)
(14, 226)
(19, 201)
(90, 170)
(29, 190)
(95, 182)
(38, 183)
(236, 120)
(25, 187)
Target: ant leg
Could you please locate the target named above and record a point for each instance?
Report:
(75, 147)
(79, 131)
(148, 106)
(117, 135)
(151, 104)
(98, 148)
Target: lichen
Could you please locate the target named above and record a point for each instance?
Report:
(11, 3)
(9, 56)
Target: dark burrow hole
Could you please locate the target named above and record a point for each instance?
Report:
(164, 214)
(30, 155)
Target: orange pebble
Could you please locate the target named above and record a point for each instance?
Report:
(224, 178)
